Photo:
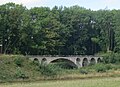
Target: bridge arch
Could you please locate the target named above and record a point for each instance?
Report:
(36, 61)
(92, 61)
(43, 61)
(68, 62)
(85, 62)
(78, 60)
(99, 60)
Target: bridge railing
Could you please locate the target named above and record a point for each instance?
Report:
(63, 55)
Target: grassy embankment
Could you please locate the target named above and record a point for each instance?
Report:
(19, 68)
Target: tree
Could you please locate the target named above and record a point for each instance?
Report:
(11, 20)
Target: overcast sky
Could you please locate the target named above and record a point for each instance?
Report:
(92, 4)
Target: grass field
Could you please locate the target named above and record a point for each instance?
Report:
(97, 82)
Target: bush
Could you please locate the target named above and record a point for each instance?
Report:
(20, 74)
(5, 76)
(100, 68)
(111, 57)
(117, 58)
(48, 70)
(36, 63)
(84, 71)
(19, 61)
(108, 66)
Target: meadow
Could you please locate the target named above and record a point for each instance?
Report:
(96, 82)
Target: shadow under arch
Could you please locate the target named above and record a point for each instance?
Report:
(78, 60)
(99, 60)
(92, 61)
(36, 61)
(85, 62)
(64, 63)
(43, 61)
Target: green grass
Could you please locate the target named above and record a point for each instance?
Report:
(98, 82)
(16, 68)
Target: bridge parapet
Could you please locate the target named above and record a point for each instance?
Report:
(64, 55)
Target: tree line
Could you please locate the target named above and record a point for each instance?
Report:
(58, 31)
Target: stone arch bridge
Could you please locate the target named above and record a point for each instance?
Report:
(78, 61)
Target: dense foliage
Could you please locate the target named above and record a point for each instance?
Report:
(58, 31)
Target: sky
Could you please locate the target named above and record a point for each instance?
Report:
(89, 4)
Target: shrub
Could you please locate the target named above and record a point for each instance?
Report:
(111, 57)
(19, 61)
(108, 66)
(20, 74)
(117, 57)
(48, 70)
(100, 68)
(5, 76)
(84, 71)
(36, 63)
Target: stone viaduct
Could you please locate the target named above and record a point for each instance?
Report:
(79, 61)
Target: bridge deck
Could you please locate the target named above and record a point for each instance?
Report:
(64, 55)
